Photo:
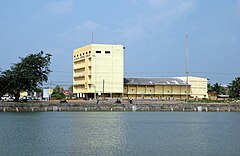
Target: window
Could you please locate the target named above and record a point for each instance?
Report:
(83, 54)
(74, 56)
(80, 54)
(77, 55)
(86, 53)
(89, 52)
(98, 52)
(107, 52)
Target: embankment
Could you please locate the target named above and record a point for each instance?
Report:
(43, 106)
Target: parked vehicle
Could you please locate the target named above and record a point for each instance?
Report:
(7, 98)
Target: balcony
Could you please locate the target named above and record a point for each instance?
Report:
(78, 68)
(77, 59)
(79, 75)
(79, 84)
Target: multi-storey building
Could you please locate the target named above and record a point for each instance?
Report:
(98, 70)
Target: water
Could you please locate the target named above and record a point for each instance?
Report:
(119, 133)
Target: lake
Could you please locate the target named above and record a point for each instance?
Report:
(120, 133)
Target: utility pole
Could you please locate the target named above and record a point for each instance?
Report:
(187, 91)
(103, 91)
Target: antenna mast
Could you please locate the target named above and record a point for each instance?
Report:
(187, 91)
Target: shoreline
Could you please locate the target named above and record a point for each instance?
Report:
(110, 106)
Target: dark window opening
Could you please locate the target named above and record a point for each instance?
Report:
(89, 52)
(80, 54)
(98, 52)
(132, 89)
(86, 53)
(83, 54)
(107, 52)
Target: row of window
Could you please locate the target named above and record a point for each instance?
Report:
(82, 54)
(106, 52)
(98, 52)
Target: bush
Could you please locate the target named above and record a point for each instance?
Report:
(59, 96)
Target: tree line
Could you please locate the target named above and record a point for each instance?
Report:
(233, 89)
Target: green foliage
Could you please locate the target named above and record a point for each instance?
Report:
(26, 75)
(57, 96)
(210, 88)
(217, 88)
(234, 88)
(57, 90)
(57, 93)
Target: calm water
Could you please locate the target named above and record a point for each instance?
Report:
(113, 133)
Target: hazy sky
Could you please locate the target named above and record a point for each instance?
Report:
(153, 32)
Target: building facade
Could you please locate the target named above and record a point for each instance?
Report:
(155, 88)
(98, 70)
(165, 88)
(198, 88)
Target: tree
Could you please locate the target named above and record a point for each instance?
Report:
(216, 88)
(26, 75)
(57, 93)
(57, 90)
(210, 88)
(234, 88)
(2, 85)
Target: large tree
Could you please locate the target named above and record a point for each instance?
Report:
(3, 84)
(26, 75)
(234, 88)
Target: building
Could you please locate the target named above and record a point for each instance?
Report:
(98, 70)
(198, 89)
(155, 88)
(165, 88)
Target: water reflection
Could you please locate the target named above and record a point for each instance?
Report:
(112, 133)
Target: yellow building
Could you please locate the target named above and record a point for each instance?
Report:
(98, 70)
(198, 88)
(155, 88)
(165, 88)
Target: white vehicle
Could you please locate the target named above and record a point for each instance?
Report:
(7, 98)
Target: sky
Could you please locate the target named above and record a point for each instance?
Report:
(152, 31)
